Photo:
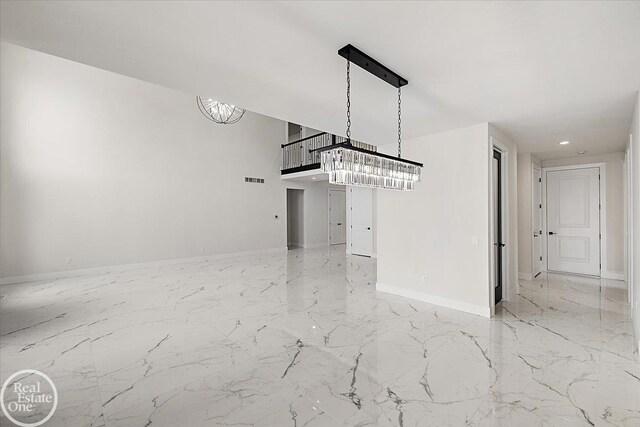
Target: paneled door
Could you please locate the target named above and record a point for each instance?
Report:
(573, 220)
(361, 221)
(337, 217)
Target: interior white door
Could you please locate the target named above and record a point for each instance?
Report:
(537, 222)
(337, 217)
(573, 221)
(361, 221)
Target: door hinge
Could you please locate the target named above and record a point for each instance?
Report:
(600, 236)
(540, 205)
(539, 179)
(540, 258)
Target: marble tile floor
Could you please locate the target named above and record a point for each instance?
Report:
(303, 339)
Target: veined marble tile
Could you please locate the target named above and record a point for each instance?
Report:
(303, 338)
(244, 395)
(73, 373)
(431, 391)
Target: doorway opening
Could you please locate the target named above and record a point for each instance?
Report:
(337, 217)
(295, 218)
(629, 226)
(537, 221)
(498, 222)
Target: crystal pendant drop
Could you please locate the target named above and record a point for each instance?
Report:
(352, 167)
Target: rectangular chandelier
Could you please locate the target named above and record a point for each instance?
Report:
(351, 164)
(347, 164)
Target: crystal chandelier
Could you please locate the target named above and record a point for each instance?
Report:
(221, 113)
(348, 164)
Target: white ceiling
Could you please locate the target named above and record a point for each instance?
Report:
(541, 71)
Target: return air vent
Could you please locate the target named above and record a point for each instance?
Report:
(254, 180)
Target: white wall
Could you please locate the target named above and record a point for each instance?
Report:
(109, 170)
(614, 236)
(295, 218)
(307, 131)
(430, 231)
(293, 132)
(525, 210)
(296, 132)
(635, 217)
(375, 224)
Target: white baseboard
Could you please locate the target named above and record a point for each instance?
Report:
(432, 299)
(126, 267)
(613, 275)
(525, 276)
(315, 245)
(373, 255)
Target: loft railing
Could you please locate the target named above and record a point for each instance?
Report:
(298, 156)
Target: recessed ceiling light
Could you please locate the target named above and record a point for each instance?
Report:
(581, 152)
(313, 177)
(563, 142)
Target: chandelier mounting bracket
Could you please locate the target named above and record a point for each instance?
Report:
(364, 61)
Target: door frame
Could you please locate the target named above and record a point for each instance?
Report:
(499, 273)
(508, 288)
(534, 168)
(342, 190)
(603, 212)
(629, 227)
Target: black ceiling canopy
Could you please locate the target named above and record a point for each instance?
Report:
(364, 61)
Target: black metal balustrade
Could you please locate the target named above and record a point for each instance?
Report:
(298, 156)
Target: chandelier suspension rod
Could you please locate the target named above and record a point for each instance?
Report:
(364, 61)
(348, 101)
(399, 123)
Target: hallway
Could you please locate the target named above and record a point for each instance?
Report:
(303, 338)
(576, 337)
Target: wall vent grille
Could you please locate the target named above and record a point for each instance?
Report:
(254, 180)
